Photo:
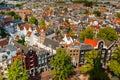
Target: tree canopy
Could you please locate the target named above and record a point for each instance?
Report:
(1, 78)
(3, 34)
(62, 65)
(87, 33)
(16, 16)
(22, 41)
(42, 23)
(93, 66)
(89, 60)
(16, 71)
(117, 15)
(33, 20)
(10, 13)
(2, 13)
(114, 64)
(97, 13)
(88, 3)
(107, 33)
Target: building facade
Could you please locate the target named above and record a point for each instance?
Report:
(43, 58)
(31, 62)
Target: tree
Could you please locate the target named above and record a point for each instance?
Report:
(69, 30)
(114, 64)
(22, 41)
(1, 78)
(89, 60)
(93, 66)
(87, 33)
(26, 19)
(2, 4)
(107, 33)
(88, 3)
(117, 15)
(97, 13)
(3, 34)
(16, 71)
(62, 65)
(33, 20)
(2, 13)
(17, 17)
(10, 13)
(42, 23)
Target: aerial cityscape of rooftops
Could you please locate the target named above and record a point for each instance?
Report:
(59, 39)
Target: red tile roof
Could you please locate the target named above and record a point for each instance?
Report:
(27, 26)
(76, 43)
(92, 42)
(38, 30)
(3, 42)
(21, 27)
(29, 33)
(17, 37)
(97, 27)
(103, 10)
(68, 35)
(68, 45)
(116, 20)
(8, 18)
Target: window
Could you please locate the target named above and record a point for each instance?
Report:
(82, 58)
(70, 50)
(109, 51)
(74, 50)
(39, 62)
(39, 58)
(43, 61)
(103, 51)
(82, 52)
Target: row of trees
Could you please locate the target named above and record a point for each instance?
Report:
(16, 16)
(106, 33)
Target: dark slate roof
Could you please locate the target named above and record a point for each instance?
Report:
(50, 31)
(117, 29)
(86, 47)
(51, 43)
(21, 46)
(26, 49)
(11, 47)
